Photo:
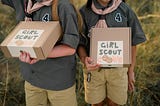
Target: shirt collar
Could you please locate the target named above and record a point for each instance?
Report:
(99, 6)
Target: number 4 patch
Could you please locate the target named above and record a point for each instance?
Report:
(45, 18)
(118, 17)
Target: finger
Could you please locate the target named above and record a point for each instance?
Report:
(133, 81)
(28, 60)
(86, 60)
(90, 64)
(89, 60)
(131, 87)
(22, 56)
(34, 61)
(92, 67)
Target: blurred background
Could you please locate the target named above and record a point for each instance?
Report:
(147, 71)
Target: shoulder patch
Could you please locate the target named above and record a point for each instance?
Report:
(45, 17)
(118, 17)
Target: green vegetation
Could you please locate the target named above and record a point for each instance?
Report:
(147, 91)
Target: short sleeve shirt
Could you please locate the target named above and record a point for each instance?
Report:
(54, 73)
(123, 16)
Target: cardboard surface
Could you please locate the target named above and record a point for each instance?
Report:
(34, 37)
(111, 47)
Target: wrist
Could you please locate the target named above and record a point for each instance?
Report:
(82, 58)
(131, 69)
(28, 15)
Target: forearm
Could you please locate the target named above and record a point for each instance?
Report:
(133, 50)
(61, 50)
(82, 53)
(131, 77)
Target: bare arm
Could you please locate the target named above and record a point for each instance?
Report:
(87, 61)
(57, 51)
(61, 50)
(131, 78)
(82, 53)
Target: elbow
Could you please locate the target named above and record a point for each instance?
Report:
(72, 51)
(69, 50)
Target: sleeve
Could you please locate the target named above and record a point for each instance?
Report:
(83, 37)
(20, 9)
(18, 6)
(39, 0)
(138, 35)
(8, 2)
(68, 20)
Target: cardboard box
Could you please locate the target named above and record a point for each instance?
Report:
(111, 47)
(34, 37)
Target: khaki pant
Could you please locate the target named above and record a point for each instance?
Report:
(111, 83)
(40, 97)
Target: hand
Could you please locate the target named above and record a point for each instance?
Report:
(90, 64)
(131, 80)
(28, 19)
(25, 57)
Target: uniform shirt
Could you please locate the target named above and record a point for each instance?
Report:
(123, 16)
(55, 73)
